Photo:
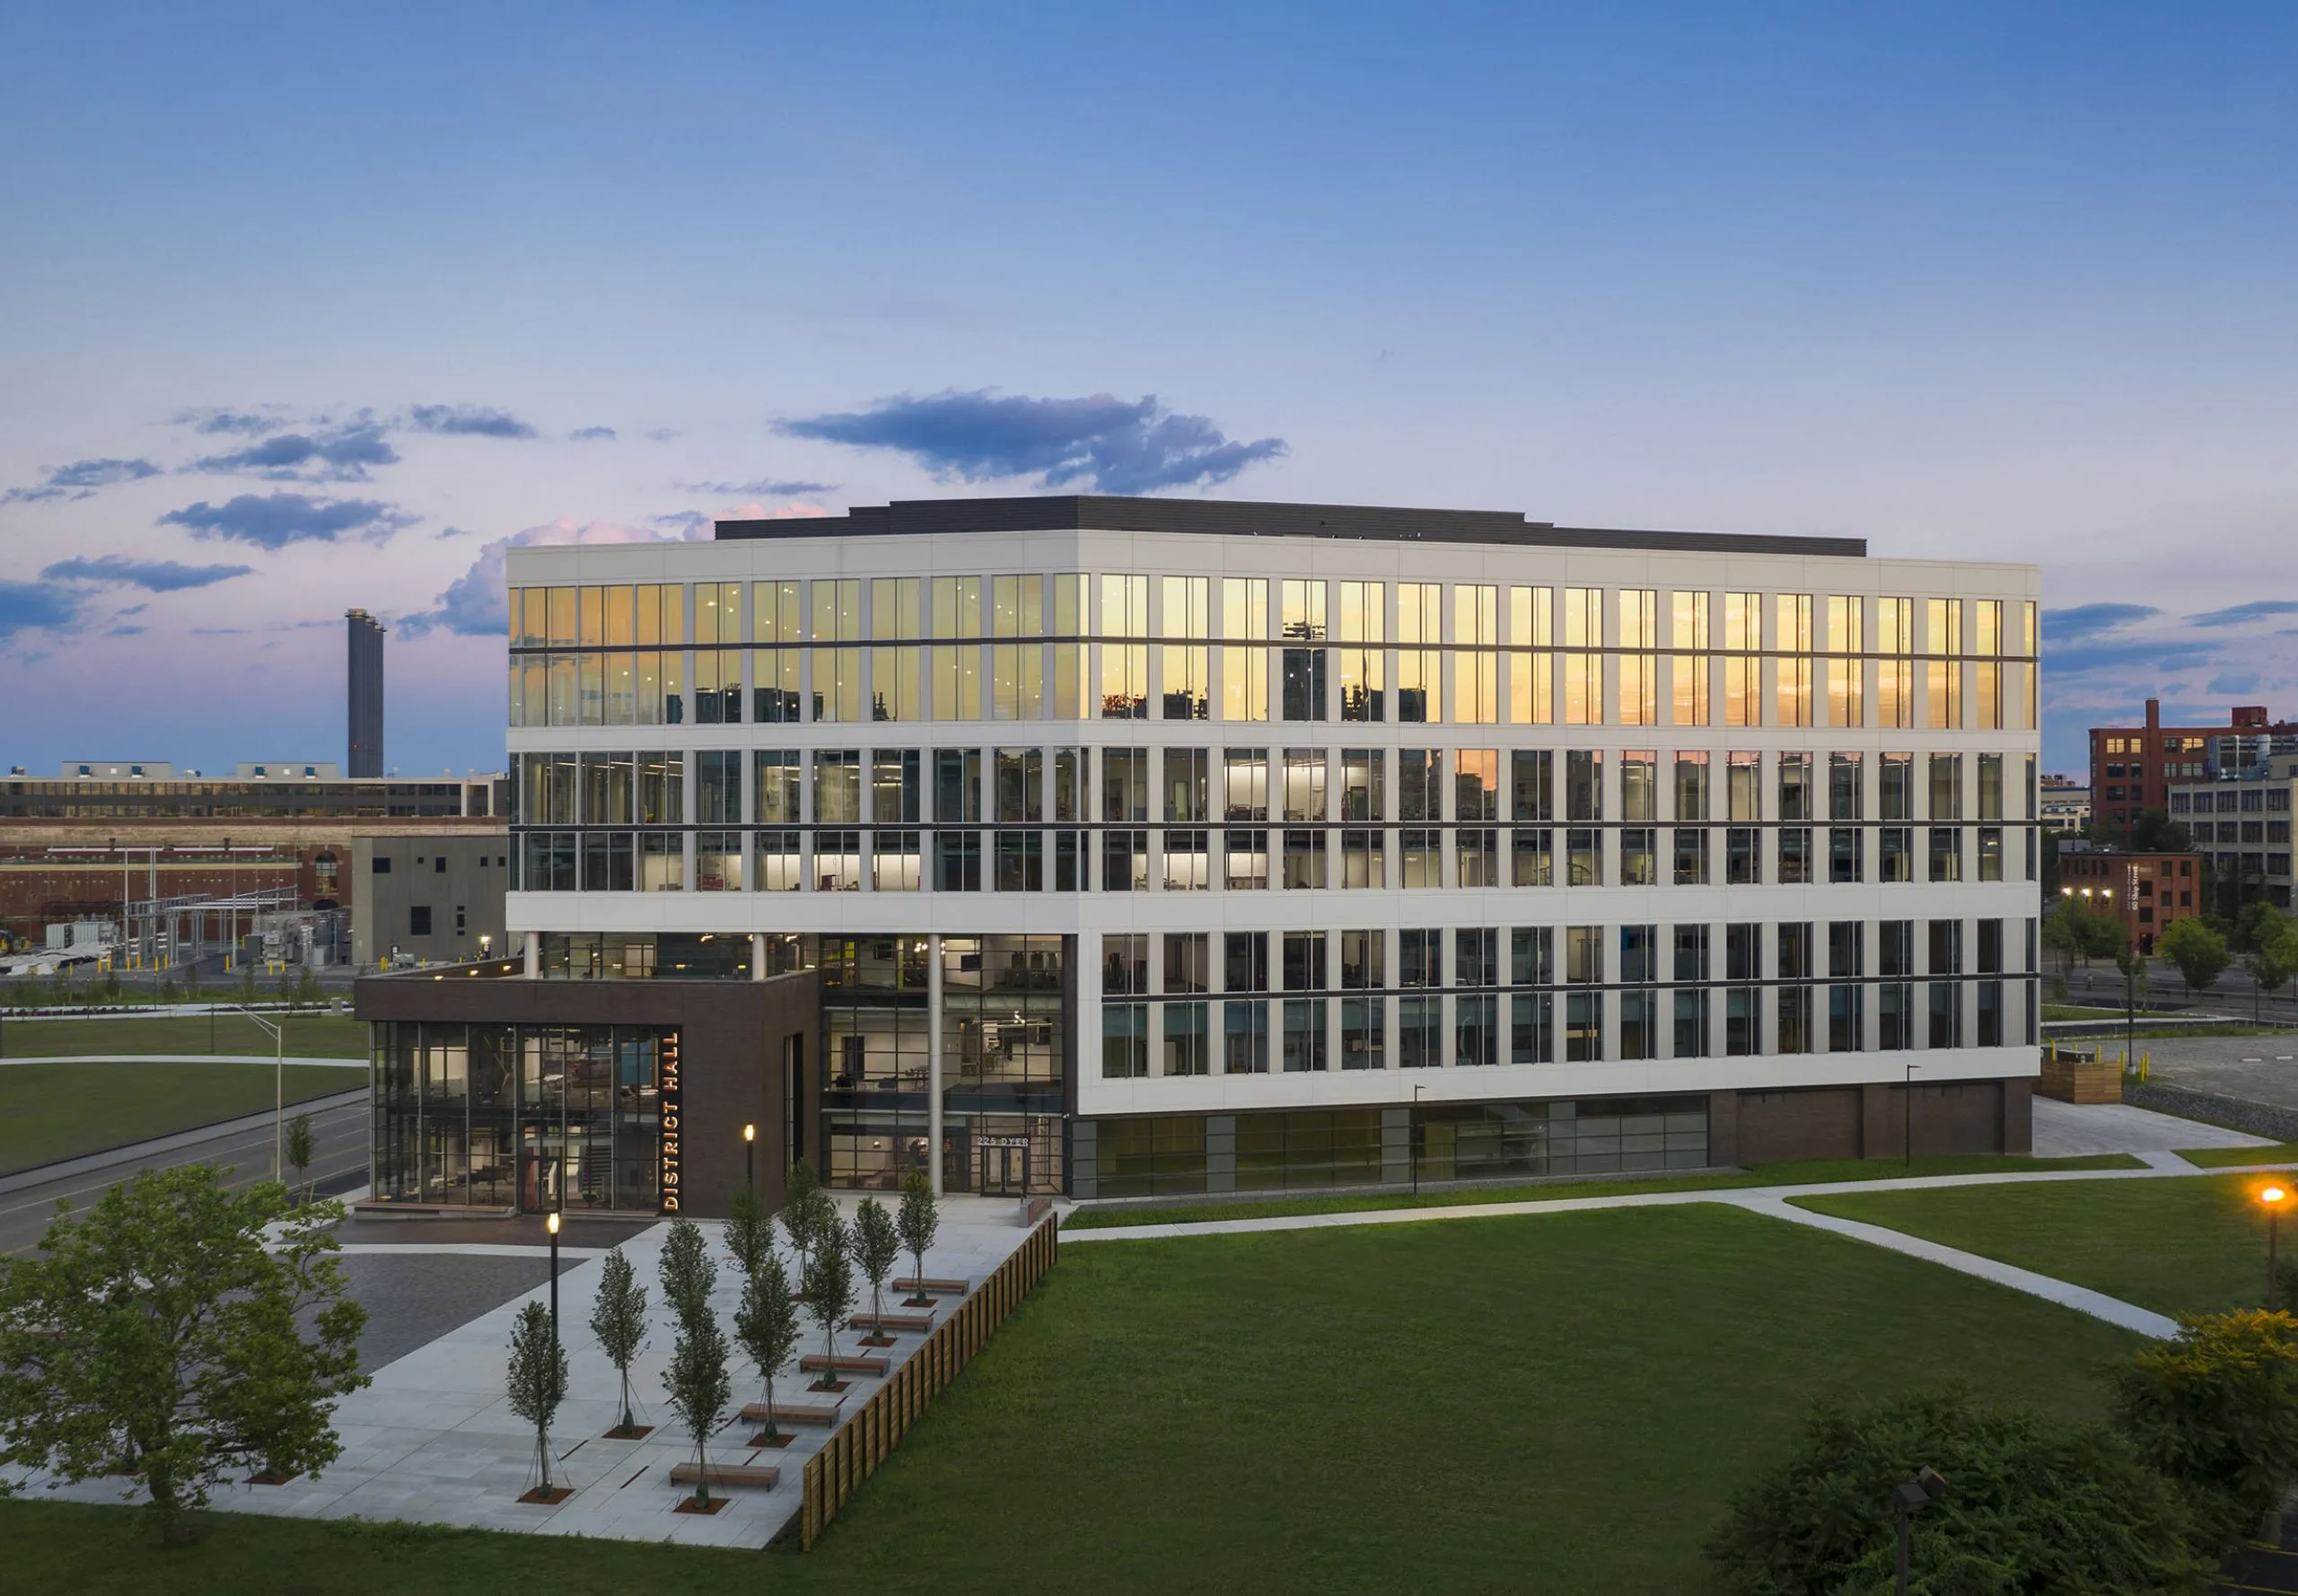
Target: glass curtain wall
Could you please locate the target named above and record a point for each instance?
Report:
(535, 1116)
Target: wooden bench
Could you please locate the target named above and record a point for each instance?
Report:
(782, 1413)
(950, 1287)
(918, 1323)
(814, 1362)
(725, 1474)
(1034, 1209)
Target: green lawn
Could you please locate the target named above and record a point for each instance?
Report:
(50, 1111)
(312, 1035)
(1813, 1173)
(1557, 1404)
(2213, 1158)
(2192, 1244)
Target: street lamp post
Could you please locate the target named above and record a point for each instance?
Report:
(550, 1224)
(750, 1158)
(1906, 1108)
(2271, 1198)
(278, 1087)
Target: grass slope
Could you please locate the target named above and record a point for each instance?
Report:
(2189, 1245)
(50, 1111)
(315, 1036)
(1810, 1172)
(1553, 1403)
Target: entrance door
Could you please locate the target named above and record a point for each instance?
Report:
(1004, 1171)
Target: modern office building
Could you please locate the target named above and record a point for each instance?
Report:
(2242, 824)
(1134, 847)
(2134, 768)
(363, 677)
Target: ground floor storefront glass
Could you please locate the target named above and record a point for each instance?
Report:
(1193, 1154)
(536, 1116)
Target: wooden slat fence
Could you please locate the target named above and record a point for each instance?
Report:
(868, 1435)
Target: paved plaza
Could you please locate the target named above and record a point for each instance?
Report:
(433, 1440)
(2077, 1130)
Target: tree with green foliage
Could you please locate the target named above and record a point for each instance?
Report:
(801, 1210)
(2155, 832)
(829, 1282)
(537, 1379)
(618, 1319)
(917, 1221)
(2272, 957)
(2216, 1408)
(766, 1327)
(2031, 1505)
(2065, 944)
(698, 1388)
(877, 1247)
(301, 1148)
(687, 1272)
(179, 1332)
(750, 1233)
(307, 985)
(2198, 952)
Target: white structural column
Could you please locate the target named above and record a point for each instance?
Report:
(934, 1062)
(757, 955)
(533, 955)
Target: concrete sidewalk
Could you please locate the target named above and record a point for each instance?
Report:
(433, 1440)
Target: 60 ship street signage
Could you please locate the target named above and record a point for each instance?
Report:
(667, 1096)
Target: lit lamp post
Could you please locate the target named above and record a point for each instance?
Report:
(2271, 1198)
(550, 1224)
(750, 1158)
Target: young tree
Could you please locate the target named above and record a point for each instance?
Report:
(687, 1272)
(2199, 952)
(877, 1246)
(801, 1209)
(538, 1379)
(2273, 958)
(618, 1319)
(699, 1388)
(919, 1218)
(167, 1335)
(301, 1148)
(766, 1325)
(2065, 943)
(2216, 1406)
(829, 1281)
(750, 1233)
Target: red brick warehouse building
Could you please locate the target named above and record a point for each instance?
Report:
(2132, 768)
(2147, 893)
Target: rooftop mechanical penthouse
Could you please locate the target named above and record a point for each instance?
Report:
(1132, 847)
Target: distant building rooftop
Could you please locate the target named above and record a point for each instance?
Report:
(1237, 518)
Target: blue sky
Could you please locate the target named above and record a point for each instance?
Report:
(302, 308)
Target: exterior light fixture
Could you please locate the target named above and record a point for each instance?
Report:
(2271, 1197)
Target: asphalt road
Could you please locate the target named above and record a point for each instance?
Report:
(340, 1134)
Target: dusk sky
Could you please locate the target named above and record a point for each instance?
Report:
(307, 307)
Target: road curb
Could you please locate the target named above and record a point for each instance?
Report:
(64, 1168)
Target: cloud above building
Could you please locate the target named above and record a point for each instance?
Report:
(1098, 442)
(339, 455)
(470, 421)
(475, 604)
(80, 479)
(769, 488)
(2244, 614)
(274, 520)
(2088, 620)
(158, 576)
(35, 606)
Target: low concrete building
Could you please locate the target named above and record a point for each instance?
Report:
(428, 896)
(2242, 823)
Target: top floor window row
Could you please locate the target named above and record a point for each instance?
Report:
(907, 609)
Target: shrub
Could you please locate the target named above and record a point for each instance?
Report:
(2031, 1505)
(2216, 1409)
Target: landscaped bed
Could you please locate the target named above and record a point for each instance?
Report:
(1810, 1172)
(51, 1111)
(2187, 1244)
(1556, 1402)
